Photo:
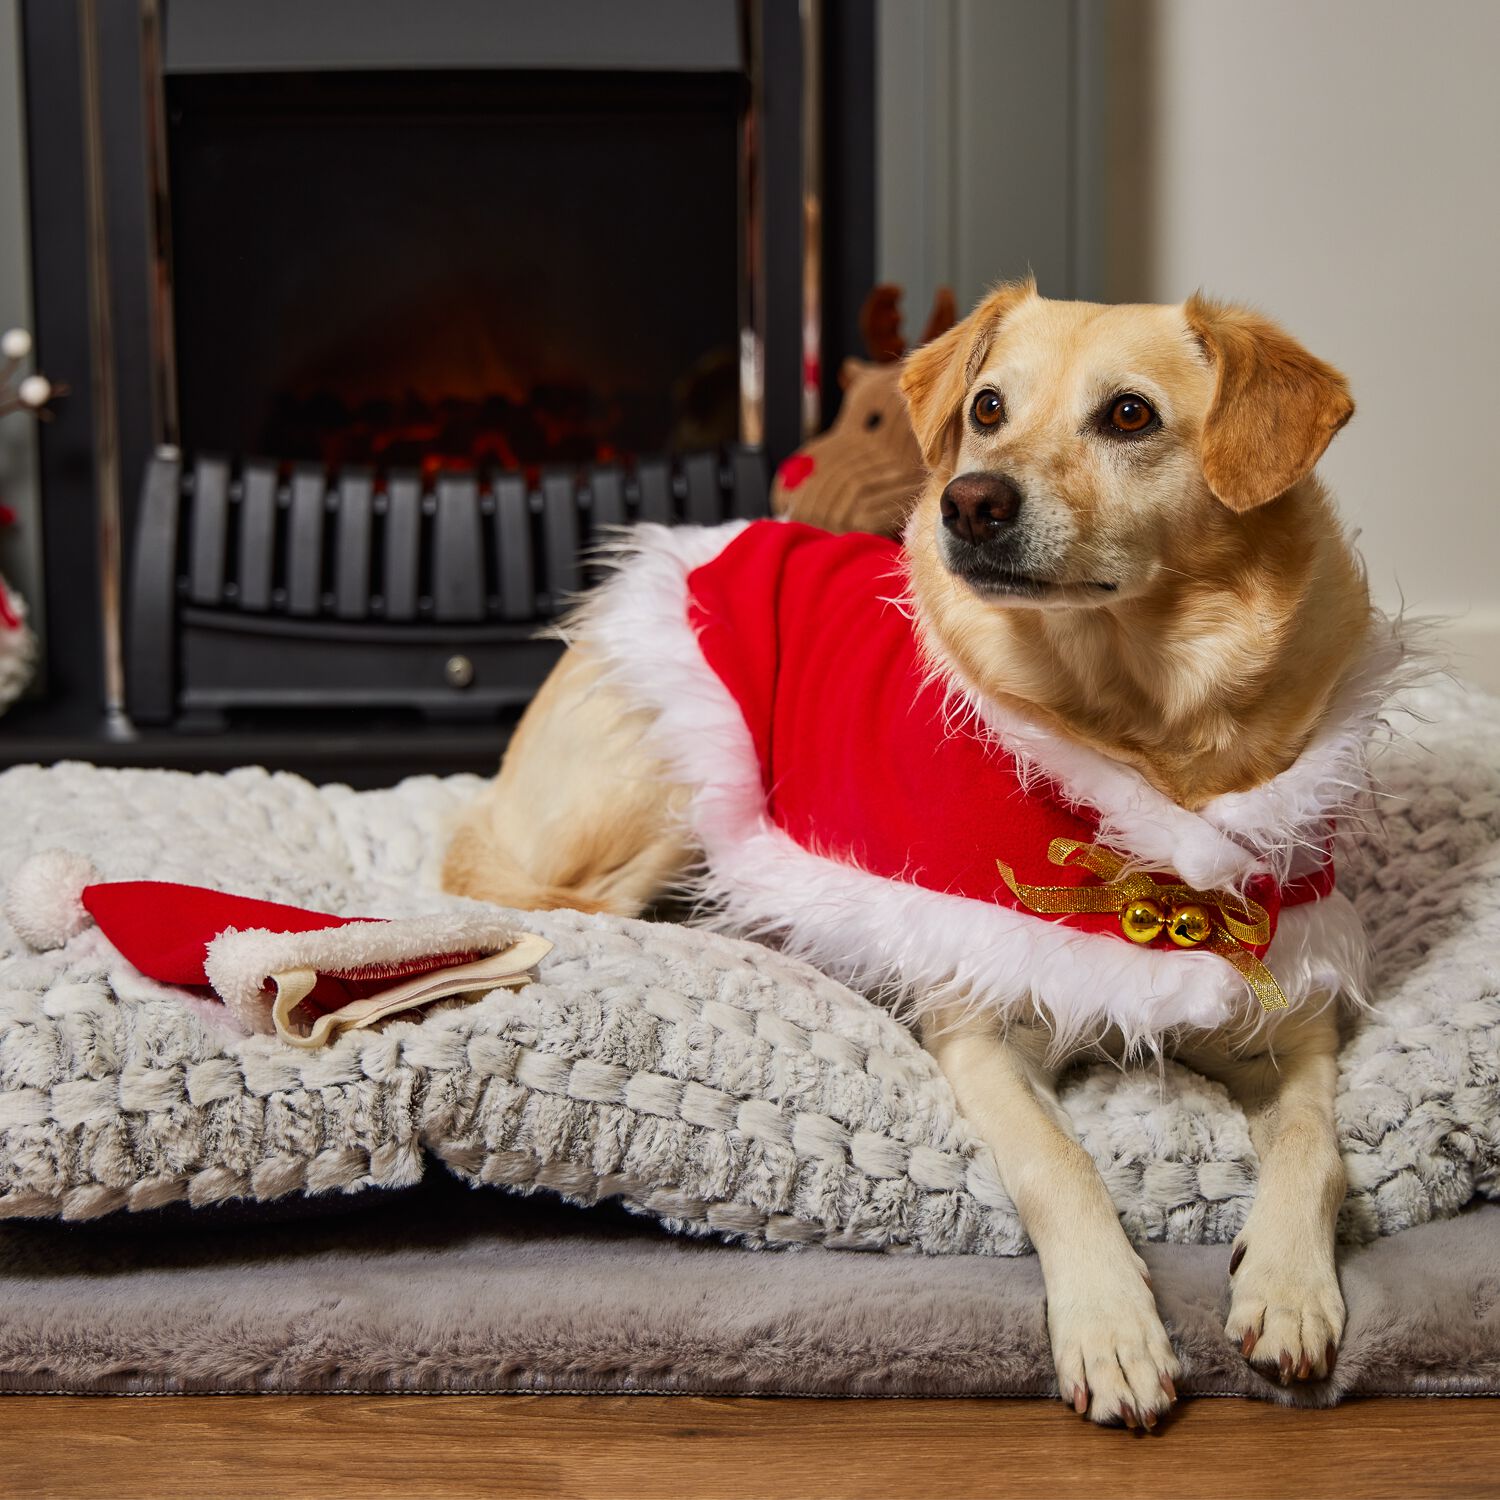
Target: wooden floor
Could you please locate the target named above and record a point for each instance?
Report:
(619, 1448)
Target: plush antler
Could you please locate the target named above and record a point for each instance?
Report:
(880, 324)
(943, 316)
(880, 321)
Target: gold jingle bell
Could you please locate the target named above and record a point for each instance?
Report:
(1142, 920)
(1190, 925)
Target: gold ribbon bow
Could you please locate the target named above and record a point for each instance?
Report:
(1146, 907)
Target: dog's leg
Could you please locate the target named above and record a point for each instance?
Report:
(1286, 1310)
(1114, 1360)
(580, 815)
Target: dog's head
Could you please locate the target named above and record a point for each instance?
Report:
(1074, 448)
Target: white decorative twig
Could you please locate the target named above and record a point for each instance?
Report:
(33, 393)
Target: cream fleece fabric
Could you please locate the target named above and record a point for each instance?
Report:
(716, 1085)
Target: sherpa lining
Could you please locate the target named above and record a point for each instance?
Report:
(239, 962)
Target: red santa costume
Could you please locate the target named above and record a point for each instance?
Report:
(896, 829)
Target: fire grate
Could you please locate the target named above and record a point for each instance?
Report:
(266, 586)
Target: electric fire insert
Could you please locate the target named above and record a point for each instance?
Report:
(433, 332)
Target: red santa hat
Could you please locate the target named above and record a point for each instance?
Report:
(264, 959)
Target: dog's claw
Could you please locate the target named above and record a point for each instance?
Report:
(1127, 1415)
(1080, 1400)
(1235, 1257)
(1168, 1387)
(1247, 1344)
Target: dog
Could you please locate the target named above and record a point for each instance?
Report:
(1123, 584)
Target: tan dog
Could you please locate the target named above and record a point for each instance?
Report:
(1120, 541)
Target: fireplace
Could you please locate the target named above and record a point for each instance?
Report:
(405, 306)
(436, 269)
(433, 332)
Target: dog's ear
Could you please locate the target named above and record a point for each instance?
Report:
(935, 377)
(1275, 407)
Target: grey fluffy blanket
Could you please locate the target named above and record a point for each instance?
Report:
(441, 1290)
(713, 1084)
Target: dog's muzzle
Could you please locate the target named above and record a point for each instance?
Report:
(982, 539)
(980, 508)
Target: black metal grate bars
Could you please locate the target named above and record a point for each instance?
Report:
(227, 555)
(458, 549)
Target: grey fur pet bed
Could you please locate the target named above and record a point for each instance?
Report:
(715, 1085)
(439, 1289)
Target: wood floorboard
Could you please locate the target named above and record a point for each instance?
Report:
(635, 1447)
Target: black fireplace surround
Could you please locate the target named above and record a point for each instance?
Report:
(407, 304)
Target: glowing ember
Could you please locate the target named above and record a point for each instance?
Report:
(556, 425)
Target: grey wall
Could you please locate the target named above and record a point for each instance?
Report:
(20, 545)
(982, 167)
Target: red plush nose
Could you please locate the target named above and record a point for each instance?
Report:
(795, 469)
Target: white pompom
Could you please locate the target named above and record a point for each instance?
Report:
(44, 900)
(15, 343)
(34, 391)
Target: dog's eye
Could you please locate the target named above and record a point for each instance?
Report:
(1130, 414)
(872, 421)
(989, 409)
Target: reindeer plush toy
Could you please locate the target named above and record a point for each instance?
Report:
(861, 473)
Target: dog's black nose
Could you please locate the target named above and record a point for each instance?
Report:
(977, 507)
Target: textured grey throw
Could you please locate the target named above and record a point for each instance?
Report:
(713, 1084)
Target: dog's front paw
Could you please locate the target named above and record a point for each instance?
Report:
(1114, 1359)
(1286, 1312)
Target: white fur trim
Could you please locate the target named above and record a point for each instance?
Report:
(1321, 948)
(1282, 819)
(240, 961)
(44, 900)
(934, 948)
